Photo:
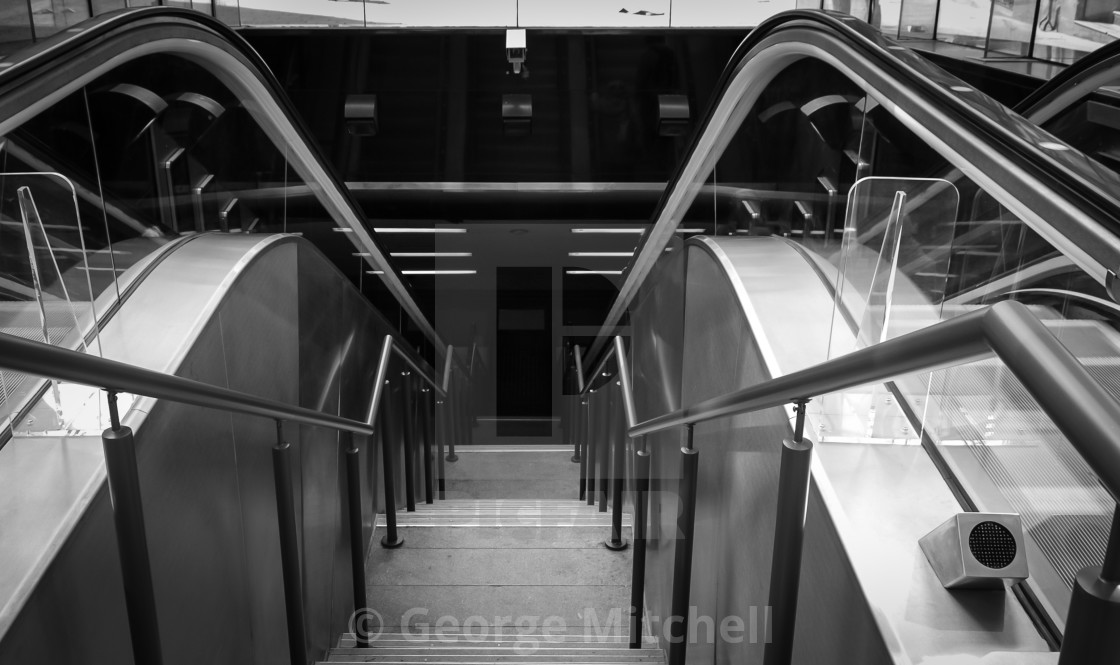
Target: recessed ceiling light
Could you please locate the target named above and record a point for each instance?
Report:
(398, 229)
(429, 255)
(375, 272)
(691, 230)
(342, 229)
(600, 254)
(593, 272)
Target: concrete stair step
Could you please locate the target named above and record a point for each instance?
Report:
(500, 644)
(513, 502)
(506, 537)
(469, 505)
(512, 643)
(498, 654)
(432, 658)
(508, 521)
(483, 661)
(498, 634)
(584, 511)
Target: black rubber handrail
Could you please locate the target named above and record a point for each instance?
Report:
(1106, 55)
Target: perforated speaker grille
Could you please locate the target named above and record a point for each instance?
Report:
(992, 544)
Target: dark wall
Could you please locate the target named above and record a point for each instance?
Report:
(439, 96)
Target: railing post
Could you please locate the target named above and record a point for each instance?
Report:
(357, 539)
(441, 434)
(592, 444)
(606, 413)
(682, 560)
(576, 407)
(638, 578)
(409, 443)
(289, 547)
(391, 539)
(789, 534)
(1092, 636)
(426, 412)
(573, 428)
(618, 475)
(468, 411)
(453, 399)
(582, 406)
(132, 539)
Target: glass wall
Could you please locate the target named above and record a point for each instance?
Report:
(1050, 30)
(1060, 31)
(100, 186)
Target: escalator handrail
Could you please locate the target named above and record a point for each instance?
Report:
(1084, 411)
(988, 124)
(39, 359)
(1108, 56)
(22, 69)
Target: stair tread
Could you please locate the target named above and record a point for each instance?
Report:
(507, 653)
(541, 643)
(484, 662)
(500, 634)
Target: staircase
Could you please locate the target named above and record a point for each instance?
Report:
(500, 580)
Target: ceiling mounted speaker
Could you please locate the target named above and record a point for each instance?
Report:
(977, 550)
(360, 113)
(672, 115)
(517, 115)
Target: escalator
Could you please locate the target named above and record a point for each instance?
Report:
(155, 192)
(161, 205)
(861, 194)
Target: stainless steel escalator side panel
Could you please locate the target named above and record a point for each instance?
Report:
(51, 481)
(262, 314)
(200, 44)
(754, 309)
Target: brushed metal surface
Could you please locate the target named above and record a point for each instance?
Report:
(657, 343)
(867, 593)
(267, 315)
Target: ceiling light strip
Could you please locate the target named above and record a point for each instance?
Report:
(415, 229)
(430, 255)
(439, 272)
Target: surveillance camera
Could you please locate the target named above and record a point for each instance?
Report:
(516, 49)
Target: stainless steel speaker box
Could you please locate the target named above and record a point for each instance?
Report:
(977, 550)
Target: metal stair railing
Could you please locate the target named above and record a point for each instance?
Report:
(122, 472)
(1079, 405)
(1083, 410)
